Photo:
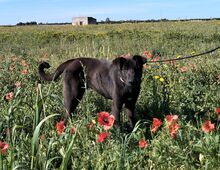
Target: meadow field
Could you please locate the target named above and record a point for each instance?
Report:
(178, 108)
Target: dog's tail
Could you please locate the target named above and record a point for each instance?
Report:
(50, 77)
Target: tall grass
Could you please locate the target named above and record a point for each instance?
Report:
(28, 120)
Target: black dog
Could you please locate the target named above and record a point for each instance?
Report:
(118, 80)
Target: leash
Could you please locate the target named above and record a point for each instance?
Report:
(186, 57)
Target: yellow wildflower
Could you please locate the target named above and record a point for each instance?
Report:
(156, 77)
(93, 121)
(193, 52)
(165, 65)
(161, 79)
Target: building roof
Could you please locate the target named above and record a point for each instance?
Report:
(83, 17)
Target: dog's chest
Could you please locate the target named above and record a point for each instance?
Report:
(129, 93)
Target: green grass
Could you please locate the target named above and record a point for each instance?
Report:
(27, 122)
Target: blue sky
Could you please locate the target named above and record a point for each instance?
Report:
(14, 11)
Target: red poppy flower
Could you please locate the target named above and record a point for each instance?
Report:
(155, 125)
(173, 129)
(60, 126)
(3, 146)
(72, 130)
(142, 143)
(148, 54)
(184, 69)
(102, 136)
(155, 59)
(208, 126)
(217, 110)
(106, 120)
(9, 96)
(24, 72)
(127, 56)
(171, 118)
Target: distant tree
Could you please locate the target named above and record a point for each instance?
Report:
(20, 23)
(164, 19)
(31, 23)
(27, 23)
(107, 20)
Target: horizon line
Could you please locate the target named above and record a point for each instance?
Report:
(112, 21)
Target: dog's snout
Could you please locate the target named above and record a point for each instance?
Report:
(132, 82)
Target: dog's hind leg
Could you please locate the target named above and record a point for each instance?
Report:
(73, 90)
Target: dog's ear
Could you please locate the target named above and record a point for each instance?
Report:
(119, 62)
(140, 60)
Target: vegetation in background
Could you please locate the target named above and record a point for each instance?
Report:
(178, 108)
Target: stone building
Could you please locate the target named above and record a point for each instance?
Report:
(83, 21)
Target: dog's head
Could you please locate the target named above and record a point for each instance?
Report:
(129, 69)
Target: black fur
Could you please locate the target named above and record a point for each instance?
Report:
(118, 80)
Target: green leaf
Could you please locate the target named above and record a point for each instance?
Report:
(34, 144)
(68, 153)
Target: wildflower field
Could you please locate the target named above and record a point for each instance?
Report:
(178, 108)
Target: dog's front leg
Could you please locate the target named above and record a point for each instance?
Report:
(116, 108)
(130, 107)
